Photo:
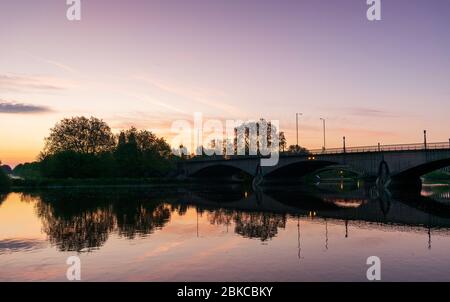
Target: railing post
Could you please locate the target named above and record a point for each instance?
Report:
(344, 143)
(379, 147)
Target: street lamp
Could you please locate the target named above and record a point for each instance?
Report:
(296, 121)
(324, 141)
(425, 138)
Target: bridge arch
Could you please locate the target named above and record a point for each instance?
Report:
(420, 170)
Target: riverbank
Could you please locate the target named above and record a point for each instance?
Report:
(40, 183)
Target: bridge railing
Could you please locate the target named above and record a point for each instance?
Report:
(361, 149)
(382, 148)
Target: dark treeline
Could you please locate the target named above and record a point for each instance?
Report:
(5, 182)
(79, 147)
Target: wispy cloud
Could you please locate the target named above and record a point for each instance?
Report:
(203, 96)
(55, 63)
(60, 65)
(368, 112)
(358, 132)
(21, 83)
(14, 108)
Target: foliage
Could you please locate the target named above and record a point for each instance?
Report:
(70, 164)
(7, 169)
(4, 181)
(80, 135)
(85, 148)
(28, 170)
(297, 149)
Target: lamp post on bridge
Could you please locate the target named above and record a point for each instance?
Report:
(425, 139)
(324, 141)
(296, 122)
(343, 138)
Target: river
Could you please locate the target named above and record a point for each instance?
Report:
(226, 233)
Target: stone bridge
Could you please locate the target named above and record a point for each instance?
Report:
(399, 163)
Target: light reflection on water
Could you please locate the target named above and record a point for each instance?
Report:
(226, 234)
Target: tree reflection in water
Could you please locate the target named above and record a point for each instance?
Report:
(259, 225)
(3, 197)
(82, 220)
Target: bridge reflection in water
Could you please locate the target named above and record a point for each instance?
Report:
(82, 220)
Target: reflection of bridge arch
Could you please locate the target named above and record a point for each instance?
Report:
(345, 168)
(221, 170)
(299, 168)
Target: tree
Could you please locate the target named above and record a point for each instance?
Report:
(28, 170)
(7, 169)
(127, 155)
(248, 134)
(4, 180)
(297, 149)
(142, 153)
(80, 135)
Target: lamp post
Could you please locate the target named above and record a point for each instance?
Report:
(296, 121)
(425, 139)
(343, 138)
(324, 139)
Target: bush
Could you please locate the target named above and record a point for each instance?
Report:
(28, 170)
(5, 182)
(71, 164)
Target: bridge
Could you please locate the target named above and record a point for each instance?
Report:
(400, 164)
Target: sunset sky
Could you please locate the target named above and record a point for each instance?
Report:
(147, 63)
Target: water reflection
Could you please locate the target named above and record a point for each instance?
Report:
(82, 220)
(3, 197)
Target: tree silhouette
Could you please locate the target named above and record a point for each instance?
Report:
(297, 149)
(4, 180)
(127, 155)
(80, 135)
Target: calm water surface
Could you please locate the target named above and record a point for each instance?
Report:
(226, 233)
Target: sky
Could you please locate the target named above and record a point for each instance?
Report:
(147, 63)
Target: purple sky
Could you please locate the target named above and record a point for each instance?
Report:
(147, 63)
